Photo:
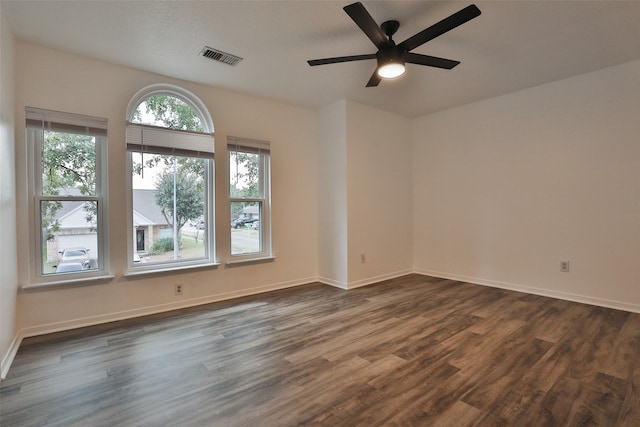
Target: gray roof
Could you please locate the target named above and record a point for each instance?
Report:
(68, 206)
(144, 203)
(251, 210)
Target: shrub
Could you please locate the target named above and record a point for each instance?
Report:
(161, 246)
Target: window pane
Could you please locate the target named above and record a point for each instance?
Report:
(163, 185)
(169, 112)
(244, 175)
(69, 236)
(246, 223)
(68, 164)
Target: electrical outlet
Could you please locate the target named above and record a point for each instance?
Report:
(178, 288)
(362, 258)
(564, 266)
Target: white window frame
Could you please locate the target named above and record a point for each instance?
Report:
(37, 122)
(262, 148)
(199, 144)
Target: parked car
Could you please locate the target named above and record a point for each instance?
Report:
(67, 267)
(75, 255)
(243, 222)
(197, 224)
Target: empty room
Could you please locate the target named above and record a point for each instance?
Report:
(278, 213)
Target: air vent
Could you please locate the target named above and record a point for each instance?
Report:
(220, 56)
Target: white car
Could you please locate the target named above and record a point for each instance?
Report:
(80, 255)
(67, 267)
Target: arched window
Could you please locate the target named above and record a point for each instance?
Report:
(169, 106)
(170, 150)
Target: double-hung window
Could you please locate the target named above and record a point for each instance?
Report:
(171, 163)
(249, 191)
(68, 154)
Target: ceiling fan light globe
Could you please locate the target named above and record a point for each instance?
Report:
(391, 70)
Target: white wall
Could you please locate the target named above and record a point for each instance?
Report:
(364, 195)
(55, 80)
(379, 194)
(506, 188)
(8, 258)
(332, 195)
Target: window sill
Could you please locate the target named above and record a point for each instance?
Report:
(242, 261)
(168, 270)
(67, 283)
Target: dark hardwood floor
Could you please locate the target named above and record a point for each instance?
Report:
(414, 351)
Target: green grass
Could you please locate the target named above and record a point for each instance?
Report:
(191, 249)
(50, 267)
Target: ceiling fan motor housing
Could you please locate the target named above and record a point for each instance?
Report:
(391, 55)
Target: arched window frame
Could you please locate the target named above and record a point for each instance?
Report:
(176, 91)
(136, 267)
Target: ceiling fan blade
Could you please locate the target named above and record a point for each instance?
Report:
(341, 59)
(431, 61)
(375, 79)
(361, 17)
(447, 24)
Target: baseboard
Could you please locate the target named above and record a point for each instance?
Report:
(7, 360)
(618, 305)
(378, 279)
(161, 308)
(334, 283)
(363, 282)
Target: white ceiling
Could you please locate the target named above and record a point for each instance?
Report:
(512, 45)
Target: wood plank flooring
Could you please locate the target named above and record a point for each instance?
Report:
(413, 351)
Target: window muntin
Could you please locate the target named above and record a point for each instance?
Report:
(68, 160)
(249, 191)
(171, 162)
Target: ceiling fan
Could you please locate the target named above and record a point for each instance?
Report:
(392, 57)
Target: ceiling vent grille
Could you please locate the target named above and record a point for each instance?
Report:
(218, 55)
